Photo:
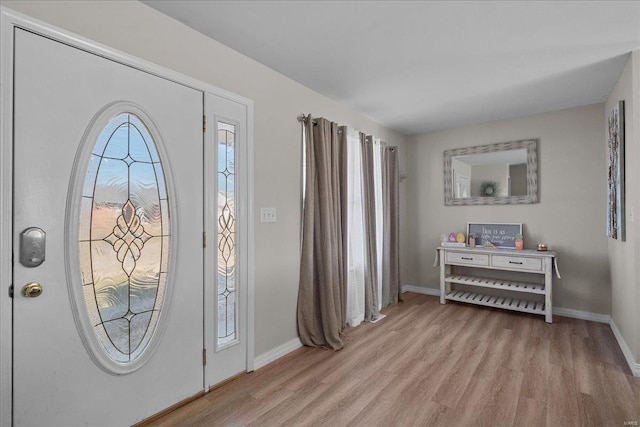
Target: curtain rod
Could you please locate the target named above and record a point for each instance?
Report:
(302, 117)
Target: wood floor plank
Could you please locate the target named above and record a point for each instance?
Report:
(347, 408)
(183, 415)
(563, 407)
(387, 407)
(435, 373)
(364, 356)
(491, 324)
(579, 328)
(428, 364)
(530, 412)
(449, 393)
(430, 414)
(561, 354)
(282, 373)
(613, 384)
(342, 401)
(586, 378)
(591, 416)
(634, 383)
(472, 325)
(428, 316)
(405, 357)
(517, 354)
(497, 355)
(252, 409)
(606, 344)
(502, 402)
(279, 414)
(523, 323)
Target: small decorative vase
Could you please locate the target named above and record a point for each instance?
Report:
(519, 244)
(472, 241)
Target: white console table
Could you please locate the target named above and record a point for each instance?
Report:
(530, 262)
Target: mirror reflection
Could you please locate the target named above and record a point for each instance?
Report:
(494, 174)
(498, 174)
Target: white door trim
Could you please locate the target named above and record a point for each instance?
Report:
(6, 208)
(9, 20)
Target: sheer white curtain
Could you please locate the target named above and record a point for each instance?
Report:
(377, 165)
(355, 231)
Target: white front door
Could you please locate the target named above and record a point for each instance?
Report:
(108, 163)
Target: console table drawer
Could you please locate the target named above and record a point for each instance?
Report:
(517, 263)
(467, 259)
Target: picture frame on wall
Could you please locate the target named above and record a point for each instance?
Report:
(616, 170)
(500, 235)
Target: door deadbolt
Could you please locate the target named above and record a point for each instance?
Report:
(32, 247)
(32, 290)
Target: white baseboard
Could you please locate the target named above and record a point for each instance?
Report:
(421, 290)
(276, 353)
(633, 365)
(582, 315)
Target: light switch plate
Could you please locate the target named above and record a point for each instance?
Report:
(268, 215)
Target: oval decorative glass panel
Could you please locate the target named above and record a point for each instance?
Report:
(124, 237)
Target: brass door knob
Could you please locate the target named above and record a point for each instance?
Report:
(32, 290)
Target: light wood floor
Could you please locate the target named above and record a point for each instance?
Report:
(437, 365)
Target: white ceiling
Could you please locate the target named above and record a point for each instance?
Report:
(420, 66)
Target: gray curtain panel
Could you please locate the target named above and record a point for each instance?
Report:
(371, 311)
(391, 290)
(322, 294)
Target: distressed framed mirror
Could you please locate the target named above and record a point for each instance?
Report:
(495, 174)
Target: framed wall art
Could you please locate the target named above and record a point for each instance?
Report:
(615, 188)
(499, 235)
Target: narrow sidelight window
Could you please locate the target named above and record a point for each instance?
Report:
(227, 249)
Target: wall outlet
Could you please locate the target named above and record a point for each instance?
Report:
(268, 215)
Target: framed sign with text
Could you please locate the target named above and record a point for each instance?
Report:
(501, 235)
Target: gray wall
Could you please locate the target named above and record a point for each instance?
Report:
(623, 256)
(569, 217)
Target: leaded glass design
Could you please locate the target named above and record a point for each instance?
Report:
(124, 237)
(227, 249)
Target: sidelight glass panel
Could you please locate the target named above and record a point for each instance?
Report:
(227, 224)
(124, 237)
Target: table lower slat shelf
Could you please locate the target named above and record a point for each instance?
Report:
(507, 285)
(515, 304)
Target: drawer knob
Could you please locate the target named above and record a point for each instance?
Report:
(515, 262)
(467, 258)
